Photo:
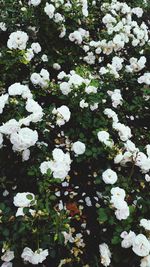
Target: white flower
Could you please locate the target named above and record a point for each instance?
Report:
(147, 178)
(49, 10)
(25, 199)
(117, 199)
(104, 137)
(118, 158)
(23, 139)
(19, 89)
(35, 78)
(25, 155)
(109, 176)
(123, 131)
(94, 106)
(83, 104)
(58, 18)
(36, 257)
(117, 63)
(36, 47)
(45, 74)
(115, 97)
(141, 246)
(62, 115)
(145, 223)
(75, 80)
(8, 256)
(59, 166)
(17, 40)
(45, 166)
(144, 78)
(34, 2)
(105, 254)
(29, 54)
(91, 89)
(137, 11)
(44, 58)
(3, 102)
(111, 114)
(76, 37)
(1, 140)
(56, 66)
(68, 237)
(41, 78)
(84, 7)
(143, 162)
(118, 193)
(122, 213)
(9, 127)
(148, 150)
(128, 239)
(90, 58)
(136, 65)
(33, 106)
(61, 75)
(108, 18)
(145, 262)
(88, 201)
(79, 148)
(7, 264)
(130, 146)
(3, 26)
(65, 88)
(19, 212)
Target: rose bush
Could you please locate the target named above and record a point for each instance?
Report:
(74, 133)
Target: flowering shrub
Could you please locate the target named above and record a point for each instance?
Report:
(74, 133)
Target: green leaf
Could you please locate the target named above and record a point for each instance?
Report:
(29, 196)
(115, 240)
(103, 217)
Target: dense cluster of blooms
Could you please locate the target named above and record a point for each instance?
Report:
(74, 133)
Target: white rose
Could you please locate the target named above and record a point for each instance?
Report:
(34, 257)
(91, 89)
(33, 106)
(64, 113)
(123, 213)
(49, 10)
(23, 139)
(79, 148)
(8, 256)
(65, 88)
(7, 264)
(9, 127)
(145, 262)
(44, 58)
(35, 78)
(109, 176)
(76, 80)
(148, 150)
(141, 246)
(147, 178)
(45, 166)
(128, 239)
(17, 40)
(145, 223)
(36, 47)
(34, 2)
(56, 66)
(105, 254)
(26, 155)
(23, 200)
(118, 192)
(3, 102)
